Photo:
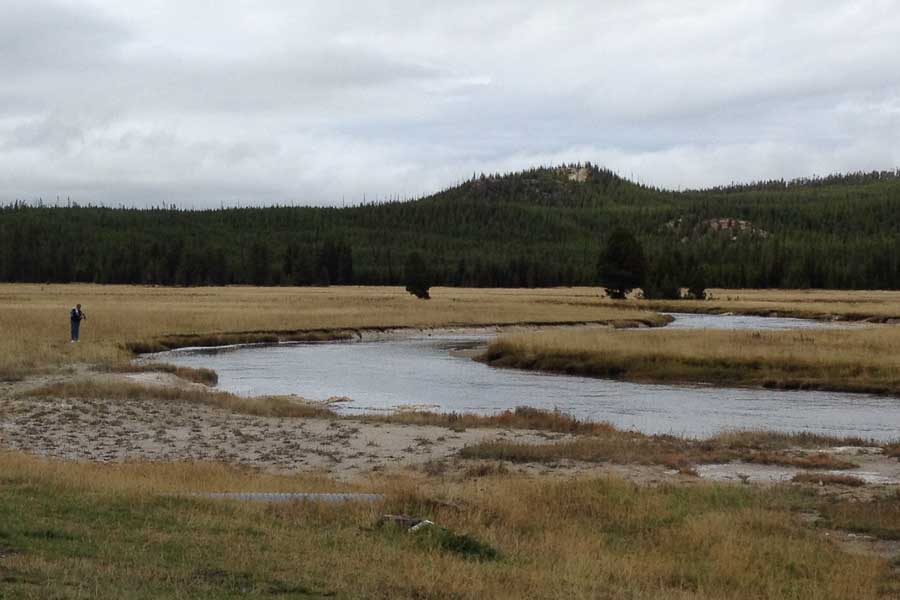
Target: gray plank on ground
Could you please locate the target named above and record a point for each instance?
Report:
(327, 498)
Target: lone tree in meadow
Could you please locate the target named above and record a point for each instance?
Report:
(416, 276)
(622, 265)
(696, 283)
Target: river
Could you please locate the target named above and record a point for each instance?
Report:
(425, 370)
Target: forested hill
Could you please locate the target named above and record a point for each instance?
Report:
(535, 228)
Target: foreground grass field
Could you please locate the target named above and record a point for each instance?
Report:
(89, 531)
(853, 360)
(34, 318)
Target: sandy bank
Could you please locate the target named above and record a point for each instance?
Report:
(159, 430)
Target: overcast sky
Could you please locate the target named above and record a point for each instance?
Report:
(244, 102)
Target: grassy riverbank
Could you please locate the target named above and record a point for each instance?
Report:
(856, 360)
(81, 530)
(34, 318)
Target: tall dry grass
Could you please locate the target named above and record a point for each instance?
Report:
(828, 479)
(158, 477)
(879, 517)
(35, 328)
(521, 417)
(857, 360)
(90, 531)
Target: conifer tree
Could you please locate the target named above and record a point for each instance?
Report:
(622, 265)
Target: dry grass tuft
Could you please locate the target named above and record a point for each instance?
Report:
(485, 469)
(819, 460)
(879, 517)
(521, 417)
(892, 450)
(673, 452)
(267, 406)
(776, 440)
(828, 479)
(205, 376)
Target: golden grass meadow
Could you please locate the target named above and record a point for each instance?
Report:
(34, 318)
(858, 359)
(531, 507)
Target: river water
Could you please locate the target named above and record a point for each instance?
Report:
(425, 370)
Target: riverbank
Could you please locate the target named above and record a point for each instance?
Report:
(865, 360)
(111, 417)
(177, 342)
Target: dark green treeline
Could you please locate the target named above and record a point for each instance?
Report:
(541, 227)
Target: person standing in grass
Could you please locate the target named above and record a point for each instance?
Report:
(75, 318)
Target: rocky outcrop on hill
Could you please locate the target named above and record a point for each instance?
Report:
(726, 226)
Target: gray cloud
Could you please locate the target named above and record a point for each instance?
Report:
(37, 36)
(302, 102)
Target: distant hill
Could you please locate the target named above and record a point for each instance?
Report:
(540, 227)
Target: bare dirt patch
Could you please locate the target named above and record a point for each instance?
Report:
(126, 429)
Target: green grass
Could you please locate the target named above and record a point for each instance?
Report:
(75, 545)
